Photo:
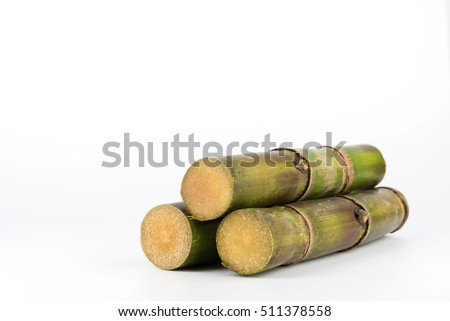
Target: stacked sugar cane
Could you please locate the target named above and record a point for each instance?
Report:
(257, 212)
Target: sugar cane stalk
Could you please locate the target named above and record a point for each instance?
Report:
(171, 239)
(213, 187)
(255, 240)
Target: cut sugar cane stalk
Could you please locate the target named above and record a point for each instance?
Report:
(250, 241)
(213, 187)
(172, 240)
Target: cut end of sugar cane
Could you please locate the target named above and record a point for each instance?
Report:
(244, 242)
(166, 237)
(207, 189)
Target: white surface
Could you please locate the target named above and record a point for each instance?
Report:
(76, 75)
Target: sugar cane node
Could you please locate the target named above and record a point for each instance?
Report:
(300, 162)
(327, 172)
(308, 237)
(387, 211)
(363, 217)
(332, 223)
(349, 171)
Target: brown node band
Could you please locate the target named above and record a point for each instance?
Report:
(361, 214)
(349, 170)
(303, 220)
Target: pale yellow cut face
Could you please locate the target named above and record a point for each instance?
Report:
(207, 189)
(166, 237)
(244, 242)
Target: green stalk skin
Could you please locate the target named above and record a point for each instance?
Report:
(200, 247)
(203, 247)
(333, 225)
(334, 172)
(279, 179)
(265, 184)
(387, 211)
(326, 226)
(366, 167)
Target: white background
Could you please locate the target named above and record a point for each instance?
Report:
(76, 74)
